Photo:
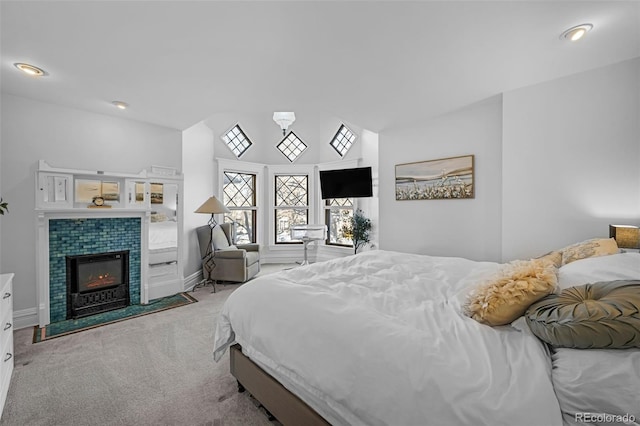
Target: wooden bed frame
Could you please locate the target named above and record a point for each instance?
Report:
(279, 402)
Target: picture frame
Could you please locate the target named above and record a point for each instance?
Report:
(449, 178)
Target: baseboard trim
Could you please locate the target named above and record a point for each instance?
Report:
(192, 280)
(25, 318)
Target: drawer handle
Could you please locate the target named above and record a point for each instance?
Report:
(8, 357)
(7, 326)
(6, 295)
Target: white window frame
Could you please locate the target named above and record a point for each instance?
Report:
(234, 166)
(290, 169)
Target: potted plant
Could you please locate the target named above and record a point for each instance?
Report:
(4, 206)
(358, 230)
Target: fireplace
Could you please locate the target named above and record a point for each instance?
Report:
(97, 283)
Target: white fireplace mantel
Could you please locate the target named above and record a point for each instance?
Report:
(42, 249)
(71, 194)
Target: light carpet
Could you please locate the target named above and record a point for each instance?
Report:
(151, 370)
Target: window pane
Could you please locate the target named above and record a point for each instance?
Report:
(239, 190)
(339, 223)
(236, 140)
(291, 191)
(244, 223)
(239, 194)
(291, 146)
(285, 219)
(343, 140)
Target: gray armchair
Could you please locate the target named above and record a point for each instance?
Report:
(233, 263)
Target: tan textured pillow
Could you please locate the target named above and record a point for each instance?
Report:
(554, 256)
(589, 248)
(508, 295)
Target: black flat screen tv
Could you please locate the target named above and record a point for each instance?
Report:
(346, 183)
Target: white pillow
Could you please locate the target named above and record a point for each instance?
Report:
(622, 266)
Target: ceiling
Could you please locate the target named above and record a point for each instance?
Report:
(377, 64)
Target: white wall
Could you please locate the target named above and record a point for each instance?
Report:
(199, 177)
(571, 159)
(66, 138)
(468, 228)
(370, 150)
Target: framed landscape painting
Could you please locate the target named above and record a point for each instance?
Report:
(442, 179)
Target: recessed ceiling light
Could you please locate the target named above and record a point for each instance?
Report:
(30, 69)
(120, 104)
(576, 33)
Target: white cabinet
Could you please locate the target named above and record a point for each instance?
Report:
(54, 190)
(136, 194)
(6, 336)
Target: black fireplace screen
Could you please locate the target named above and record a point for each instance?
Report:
(97, 283)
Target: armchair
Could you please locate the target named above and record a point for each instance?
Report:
(232, 263)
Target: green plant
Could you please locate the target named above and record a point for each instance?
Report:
(358, 230)
(4, 206)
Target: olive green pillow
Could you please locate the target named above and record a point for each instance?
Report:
(590, 316)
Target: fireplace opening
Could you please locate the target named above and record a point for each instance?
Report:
(97, 283)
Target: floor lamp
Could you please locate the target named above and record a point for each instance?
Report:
(212, 206)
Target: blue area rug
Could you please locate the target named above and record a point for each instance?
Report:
(63, 328)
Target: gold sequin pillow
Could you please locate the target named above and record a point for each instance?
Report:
(589, 248)
(506, 296)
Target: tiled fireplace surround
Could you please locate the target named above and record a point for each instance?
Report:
(79, 236)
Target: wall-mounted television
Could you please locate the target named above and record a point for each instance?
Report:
(346, 183)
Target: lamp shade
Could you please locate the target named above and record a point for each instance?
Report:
(212, 206)
(626, 236)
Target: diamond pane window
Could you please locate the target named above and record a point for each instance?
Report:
(291, 206)
(343, 140)
(291, 147)
(291, 190)
(239, 195)
(338, 216)
(237, 141)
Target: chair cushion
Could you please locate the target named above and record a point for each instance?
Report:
(600, 315)
(219, 239)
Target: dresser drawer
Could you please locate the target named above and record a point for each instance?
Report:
(6, 299)
(6, 331)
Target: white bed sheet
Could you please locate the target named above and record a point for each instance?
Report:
(378, 338)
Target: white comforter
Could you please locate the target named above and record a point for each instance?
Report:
(378, 339)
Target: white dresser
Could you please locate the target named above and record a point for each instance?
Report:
(6, 338)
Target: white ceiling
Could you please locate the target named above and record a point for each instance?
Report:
(378, 64)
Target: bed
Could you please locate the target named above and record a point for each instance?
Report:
(380, 338)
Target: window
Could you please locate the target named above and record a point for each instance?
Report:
(291, 147)
(237, 141)
(291, 205)
(338, 215)
(239, 195)
(343, 140)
